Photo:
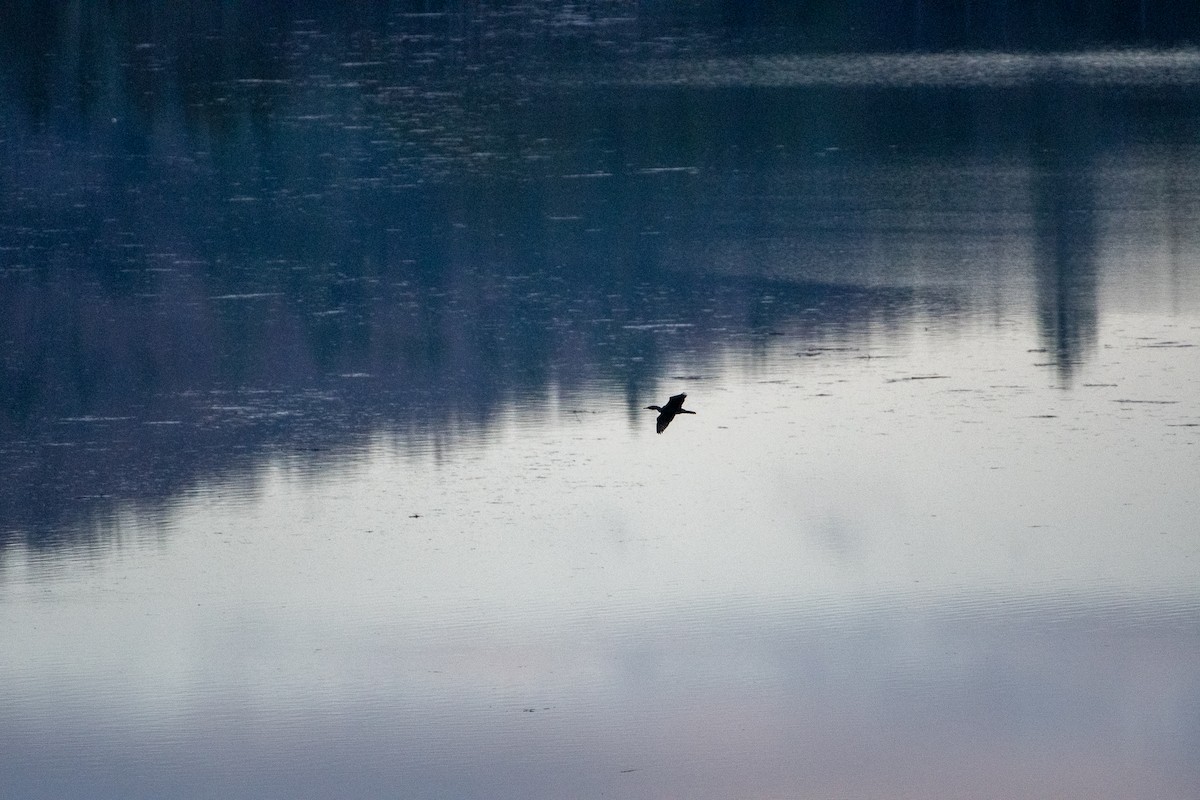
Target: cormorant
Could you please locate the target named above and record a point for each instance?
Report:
(667, 413)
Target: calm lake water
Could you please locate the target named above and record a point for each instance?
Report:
(326, 464)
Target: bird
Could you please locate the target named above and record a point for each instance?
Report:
(667, 413)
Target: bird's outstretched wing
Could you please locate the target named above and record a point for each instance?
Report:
(664, 419)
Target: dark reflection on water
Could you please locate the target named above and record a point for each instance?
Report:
(1066, 233)
(296, 235)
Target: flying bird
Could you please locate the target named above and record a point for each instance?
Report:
(667, 413)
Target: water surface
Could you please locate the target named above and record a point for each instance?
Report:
(327, 468)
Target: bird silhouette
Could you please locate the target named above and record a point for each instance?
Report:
(667, 413)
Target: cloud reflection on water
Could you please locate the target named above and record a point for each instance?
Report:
(715, 702)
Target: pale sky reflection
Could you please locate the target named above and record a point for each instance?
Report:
(736, 700)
